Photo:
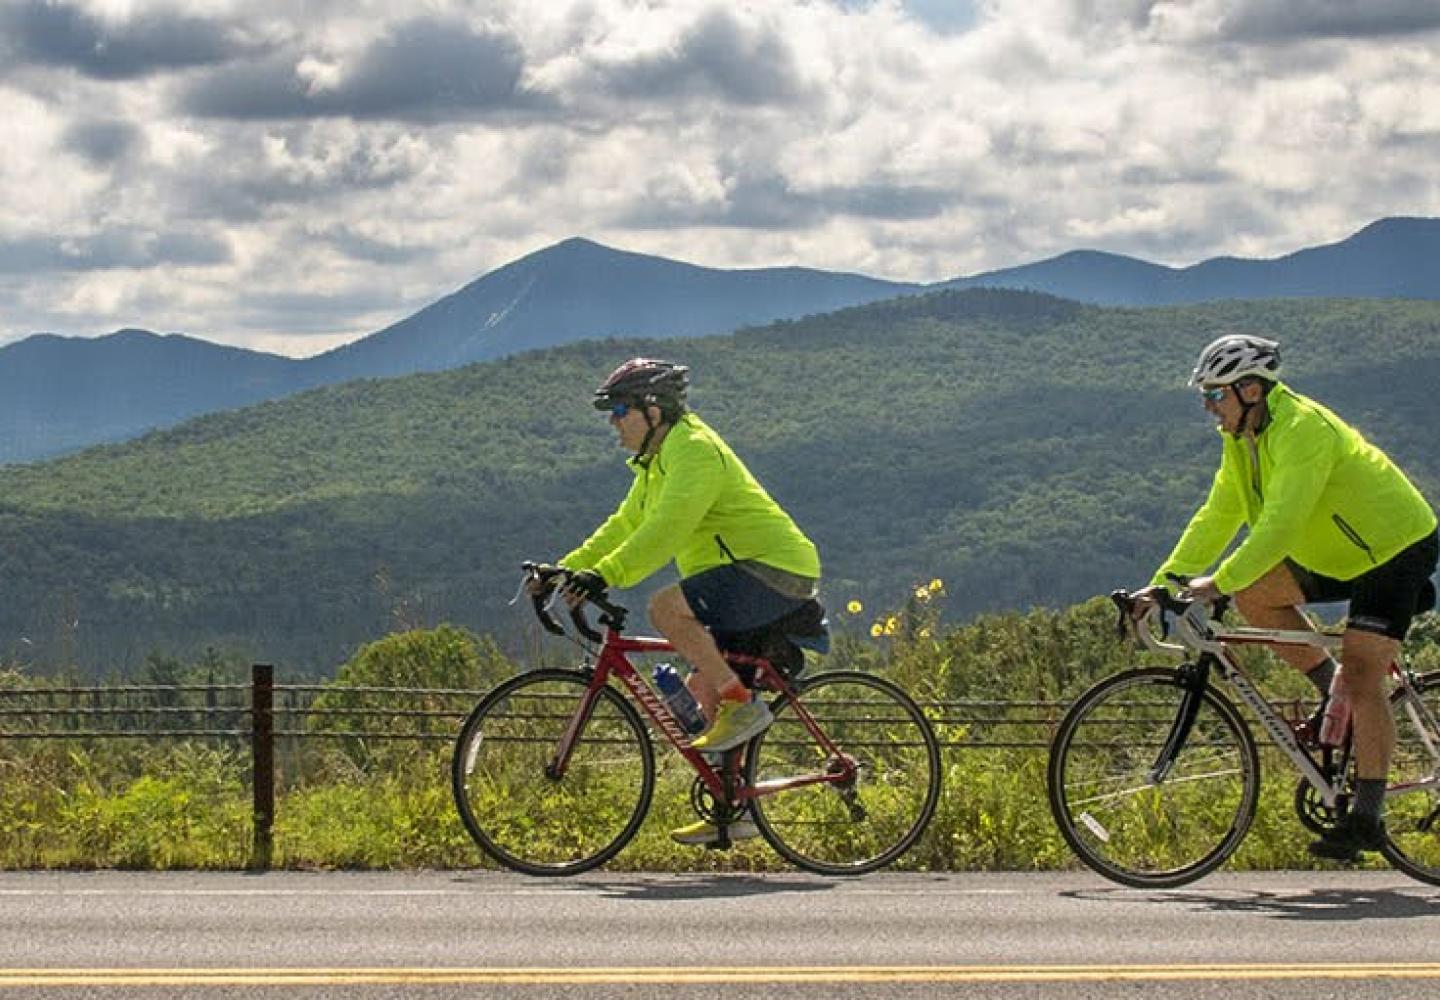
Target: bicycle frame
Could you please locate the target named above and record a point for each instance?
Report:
(612, 662)
(1198, 633)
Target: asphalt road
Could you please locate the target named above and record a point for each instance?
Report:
(452, 934)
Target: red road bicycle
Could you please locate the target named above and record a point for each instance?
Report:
(554, 770)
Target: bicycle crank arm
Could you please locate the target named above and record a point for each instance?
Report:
(852, 802)
(1428, 823)
(846, 787)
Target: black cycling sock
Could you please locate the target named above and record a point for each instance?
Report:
(1369, 794)
(1322, 674)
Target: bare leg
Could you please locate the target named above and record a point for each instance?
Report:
(1367, 657)
(1274, 601)
(671, 614)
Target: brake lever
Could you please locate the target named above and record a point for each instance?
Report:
(543, 608)
(541, 603)
(1127, 626)
(1122, 601)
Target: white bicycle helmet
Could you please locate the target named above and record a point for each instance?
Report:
(1232, 357)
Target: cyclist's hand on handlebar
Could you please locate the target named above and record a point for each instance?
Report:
(1203, 589)
(585, 585)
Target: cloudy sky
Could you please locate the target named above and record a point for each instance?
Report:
(291, 174)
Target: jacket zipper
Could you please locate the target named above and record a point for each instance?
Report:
(1255, 467)
(725, 549)
(1353, 535)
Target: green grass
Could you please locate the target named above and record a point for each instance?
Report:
(189, 808)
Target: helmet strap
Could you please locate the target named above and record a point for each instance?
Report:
(653, 425)
(1263, 417)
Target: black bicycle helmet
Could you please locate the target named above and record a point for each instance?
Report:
(646, 381)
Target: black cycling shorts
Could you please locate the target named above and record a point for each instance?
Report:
(1385, 599)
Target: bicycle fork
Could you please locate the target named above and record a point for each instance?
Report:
(1193, 677)
(556, 768)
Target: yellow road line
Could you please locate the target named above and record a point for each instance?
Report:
(715, 974)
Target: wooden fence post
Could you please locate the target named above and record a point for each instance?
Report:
(262, 755)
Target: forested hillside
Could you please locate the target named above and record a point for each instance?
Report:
(1024, 449)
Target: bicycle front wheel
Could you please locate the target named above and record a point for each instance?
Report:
(869, 820)
(1129, 824)
(515, 804)
(1412, 799)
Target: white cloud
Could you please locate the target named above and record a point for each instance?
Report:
(243, 172)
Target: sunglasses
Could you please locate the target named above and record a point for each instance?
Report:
(1214, 395)
(618, 410)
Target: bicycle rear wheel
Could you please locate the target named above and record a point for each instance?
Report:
(1121, 822)
(863, 824)
(1412, 800)
(514, 808)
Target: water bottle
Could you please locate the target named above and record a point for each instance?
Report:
(1336, 724)
(677, 696)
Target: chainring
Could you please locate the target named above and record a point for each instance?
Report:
(1314, 814)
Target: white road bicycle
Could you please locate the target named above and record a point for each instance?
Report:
(1154, 775)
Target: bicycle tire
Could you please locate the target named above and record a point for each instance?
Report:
(523, 818)
(1119, 822)
(821, 827)
(1412, 818)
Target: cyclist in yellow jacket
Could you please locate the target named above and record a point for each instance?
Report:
(743, 562)
(1330, 518)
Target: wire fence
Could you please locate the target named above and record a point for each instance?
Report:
(321, 712)
(261, 713)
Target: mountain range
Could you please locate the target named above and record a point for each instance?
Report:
(1391, 259)
(61, 394)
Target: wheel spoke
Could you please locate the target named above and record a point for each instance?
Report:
(860, 824)
(517, 810)
(1117, 818)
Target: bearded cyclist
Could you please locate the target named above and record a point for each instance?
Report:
(1330, 518)
(743, 562)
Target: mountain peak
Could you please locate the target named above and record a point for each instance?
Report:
(131, 334)
(1407, 223)
(1402, 231)
(574, 248)
(579, 243)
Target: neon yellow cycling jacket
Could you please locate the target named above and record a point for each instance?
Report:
(696, 503)
(1322, 496)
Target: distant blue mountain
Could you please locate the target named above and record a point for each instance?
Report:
(580, 290)
(59, 394)
(1391, 259)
